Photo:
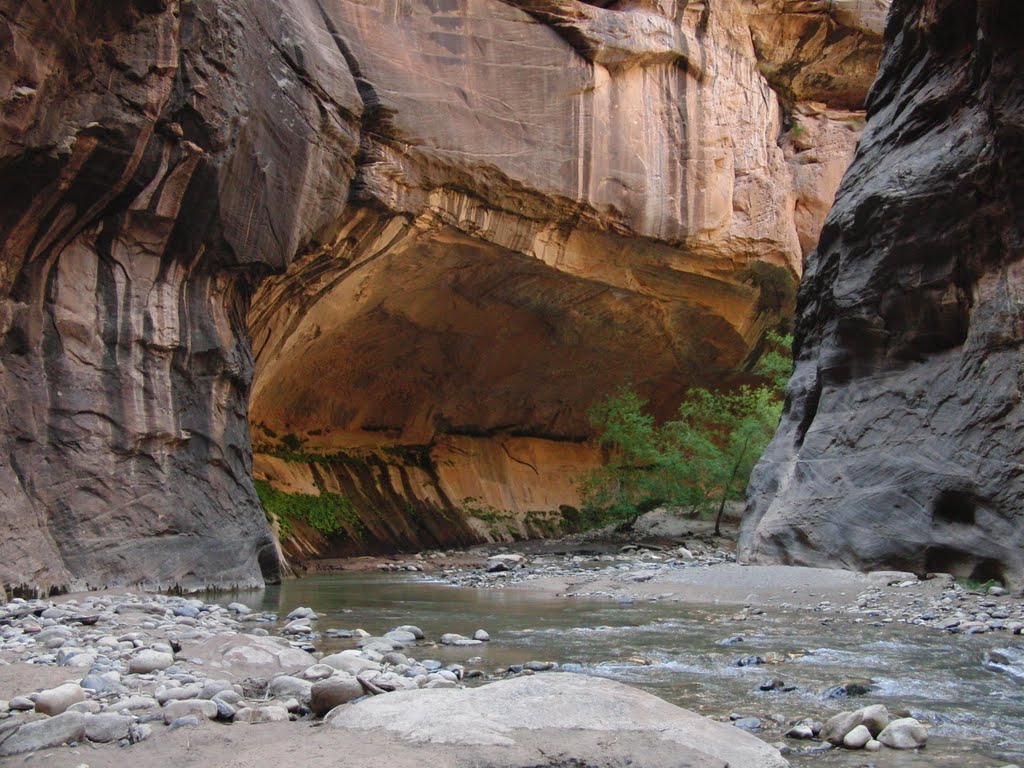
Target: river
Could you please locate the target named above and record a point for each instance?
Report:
(976, 713)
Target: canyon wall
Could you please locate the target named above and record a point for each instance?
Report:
(446, 230)
(901, 442)
(552, 199)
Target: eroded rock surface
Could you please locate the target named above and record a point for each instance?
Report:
(564, 713)
(528, 232)
(900, 446)
(482, 217)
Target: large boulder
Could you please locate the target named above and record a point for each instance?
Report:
(572, 716)
(240, 656)
(43, 734)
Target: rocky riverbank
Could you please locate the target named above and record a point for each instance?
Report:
(110, 674)
(119, 674)
(680, 561)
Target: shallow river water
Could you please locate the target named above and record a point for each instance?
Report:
(976, 714)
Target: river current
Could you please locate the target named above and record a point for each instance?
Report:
(975, 710)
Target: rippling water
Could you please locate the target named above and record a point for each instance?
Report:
(976, 712)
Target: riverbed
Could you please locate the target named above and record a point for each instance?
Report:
(688, 654)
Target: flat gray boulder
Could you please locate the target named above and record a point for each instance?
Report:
(44, 734)
(239, 656)
(572, 716)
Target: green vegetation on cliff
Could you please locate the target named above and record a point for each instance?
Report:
(326, 513)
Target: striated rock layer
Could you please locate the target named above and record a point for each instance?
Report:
(480, 217)
(552, 199)
(901, 442)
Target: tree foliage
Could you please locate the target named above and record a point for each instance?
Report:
(698, 461)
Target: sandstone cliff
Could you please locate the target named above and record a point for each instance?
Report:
(901, 443)
(478, 219)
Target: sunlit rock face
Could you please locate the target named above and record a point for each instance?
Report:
(900, 446)
(553, 199)
(477, 217)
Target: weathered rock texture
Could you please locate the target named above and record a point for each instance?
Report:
(900, 446)
(483, 216)
(154, 160)
(552, 199)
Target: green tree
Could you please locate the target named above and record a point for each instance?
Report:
(700, 460)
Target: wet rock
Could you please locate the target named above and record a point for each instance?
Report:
(450, 638)
(481, 635)
(857, 738)
(412, 629)
(505, 562)
(837, 726)
(749, 661)
(400, 637)
(800, 732)
(875, 718)
(904, 733)
(848, 688)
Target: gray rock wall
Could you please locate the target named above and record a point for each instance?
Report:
(901, 444)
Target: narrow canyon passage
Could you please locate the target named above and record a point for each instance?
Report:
(401, 247)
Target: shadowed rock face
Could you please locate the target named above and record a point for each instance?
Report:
(147, 180)
(900, 446)
(479, 218)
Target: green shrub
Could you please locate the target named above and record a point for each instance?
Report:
(326, 513)
(699, 461)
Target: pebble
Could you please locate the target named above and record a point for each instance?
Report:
(148, 660)
(857, 738)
